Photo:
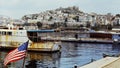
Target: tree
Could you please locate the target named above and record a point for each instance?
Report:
(54, 25)
(65, 24)
(66, 19)
(39, 24)
(50, 18)
(109, 27)
(76, 18)
(117, 15)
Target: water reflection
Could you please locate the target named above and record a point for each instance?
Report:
(43, 60)
(34, 60)
(32, 64)
(116, 47)
(71, 54)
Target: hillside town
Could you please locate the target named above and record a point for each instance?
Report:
(65, 37)
(66, 17)
(72, 16)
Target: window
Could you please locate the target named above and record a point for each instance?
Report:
(3, 33)
(9, 33)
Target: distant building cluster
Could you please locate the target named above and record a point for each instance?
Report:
(72, 16)
(5, 20)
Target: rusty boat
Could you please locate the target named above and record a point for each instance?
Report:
(11, 37)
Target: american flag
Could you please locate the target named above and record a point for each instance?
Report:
(16, 54)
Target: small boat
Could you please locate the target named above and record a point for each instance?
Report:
(12, 37)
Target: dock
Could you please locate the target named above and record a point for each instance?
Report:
(80, 40)
(108, 62)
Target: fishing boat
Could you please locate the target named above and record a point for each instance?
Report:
(12, 37)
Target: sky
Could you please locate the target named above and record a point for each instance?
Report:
(18, 8)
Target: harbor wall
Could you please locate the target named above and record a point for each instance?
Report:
(108, 62)
(114, 64)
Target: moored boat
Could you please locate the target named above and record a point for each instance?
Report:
(13, 37)
(114, 36)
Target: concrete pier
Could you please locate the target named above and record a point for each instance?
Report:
(108, 62)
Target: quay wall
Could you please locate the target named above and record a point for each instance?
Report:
(114, 64)
(108, 62)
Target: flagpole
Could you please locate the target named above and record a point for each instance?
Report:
(24, 60)
(24, 57)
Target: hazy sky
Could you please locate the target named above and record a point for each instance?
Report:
(18, 8)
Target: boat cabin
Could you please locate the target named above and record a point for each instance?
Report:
(34, 35)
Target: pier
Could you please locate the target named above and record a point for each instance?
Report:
(108, 62)
(80, 40)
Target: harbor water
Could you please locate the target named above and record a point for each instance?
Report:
(71, 54)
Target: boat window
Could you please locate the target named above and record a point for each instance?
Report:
(9, 33)
(3, 33)
(31, 34)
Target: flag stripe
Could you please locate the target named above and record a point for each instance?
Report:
(16, 55)
(13, 59)
(11, 53)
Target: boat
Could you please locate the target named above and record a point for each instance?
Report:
(12, 37)
(114, 36)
